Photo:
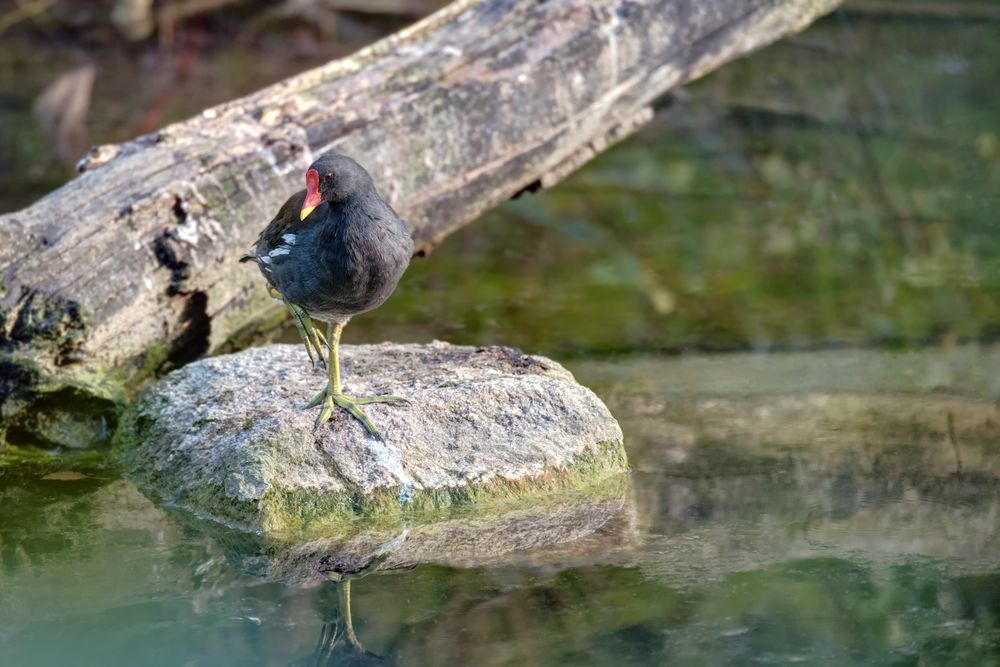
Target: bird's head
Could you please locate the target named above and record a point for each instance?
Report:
(333, 178)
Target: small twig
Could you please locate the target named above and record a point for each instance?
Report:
(954, 443)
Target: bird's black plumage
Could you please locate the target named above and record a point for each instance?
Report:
(334, 250)
(346, 256)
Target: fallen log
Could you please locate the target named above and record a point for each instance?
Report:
(130, 269)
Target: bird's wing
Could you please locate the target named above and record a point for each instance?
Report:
(277, 233)
(287, 220)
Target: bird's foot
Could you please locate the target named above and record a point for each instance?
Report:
(352, 404)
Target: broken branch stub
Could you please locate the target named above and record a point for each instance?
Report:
(131, 267)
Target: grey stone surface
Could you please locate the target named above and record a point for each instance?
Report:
(229, 437)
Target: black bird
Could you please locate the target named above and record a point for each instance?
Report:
(341, 255)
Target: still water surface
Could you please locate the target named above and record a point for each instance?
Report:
(771, 519)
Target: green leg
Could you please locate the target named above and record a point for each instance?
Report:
(310, 334)
(333, 396)
(345, 609)
(311, 337)
(333, 373)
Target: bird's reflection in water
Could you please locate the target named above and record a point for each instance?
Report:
(338, 643)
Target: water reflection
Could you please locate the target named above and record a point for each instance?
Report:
(763, 524)
(338, 643)
(815, 609)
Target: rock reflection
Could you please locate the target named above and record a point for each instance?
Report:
(562, 534)
(747, 460)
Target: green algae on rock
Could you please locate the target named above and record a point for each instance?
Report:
(555, 534)
(228, 437)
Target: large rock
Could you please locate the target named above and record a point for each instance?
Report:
(228, 437)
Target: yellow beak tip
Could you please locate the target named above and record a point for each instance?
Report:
(305, 212)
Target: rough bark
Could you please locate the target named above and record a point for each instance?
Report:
(132, 264)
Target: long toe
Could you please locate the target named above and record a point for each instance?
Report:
(365, 400)
(352, 406)
(325, 413)
(318, 398)
(320, 337)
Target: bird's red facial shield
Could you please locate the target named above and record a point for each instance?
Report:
(312, 194)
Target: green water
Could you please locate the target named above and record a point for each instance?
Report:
(786, 290)
(806, 508)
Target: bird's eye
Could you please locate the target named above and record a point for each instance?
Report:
(328, 177)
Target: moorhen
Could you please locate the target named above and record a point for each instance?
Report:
(342, 255)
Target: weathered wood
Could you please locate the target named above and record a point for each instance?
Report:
(133, 263)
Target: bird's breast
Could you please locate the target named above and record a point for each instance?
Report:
(354, 271)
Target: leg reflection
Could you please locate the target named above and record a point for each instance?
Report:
(338, 644)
